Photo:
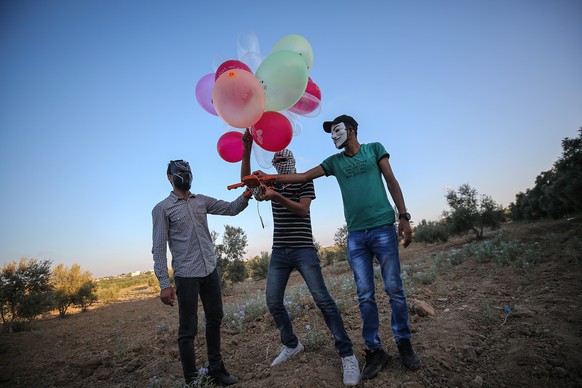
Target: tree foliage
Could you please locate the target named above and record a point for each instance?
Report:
(258, 266)
(556, 192)
(229, 254)
(85, 296)
(72, 287)
(471, 212)
(25, 292)
(341, 242)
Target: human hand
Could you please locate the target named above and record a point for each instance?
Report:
(247, 140)
(267, 193)
(405, 232)
(248, 193)
(259, 173)
(167, 295)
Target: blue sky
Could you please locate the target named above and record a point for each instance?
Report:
(97, 96)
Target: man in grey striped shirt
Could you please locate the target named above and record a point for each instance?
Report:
(180, 222)
(293, 248)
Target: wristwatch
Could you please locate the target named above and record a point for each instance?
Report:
(405, 216)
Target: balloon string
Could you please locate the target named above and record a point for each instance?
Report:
(259, 213)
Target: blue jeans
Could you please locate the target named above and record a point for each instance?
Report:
(306, 261)
(187, 290)
(382, 243)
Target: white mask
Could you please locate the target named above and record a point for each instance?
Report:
(339, 135)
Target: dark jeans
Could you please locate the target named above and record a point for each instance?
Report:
(306, 261)
(187, 290)
(382, 243)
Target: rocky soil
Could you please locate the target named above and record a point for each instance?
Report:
(484, 324)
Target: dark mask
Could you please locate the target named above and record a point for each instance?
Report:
(181, 174)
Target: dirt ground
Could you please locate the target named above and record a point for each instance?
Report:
(471, 341)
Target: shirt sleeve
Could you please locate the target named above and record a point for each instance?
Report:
(307, 190)
(225, 208)
(159, 247)
(380, 151)
(327, 166)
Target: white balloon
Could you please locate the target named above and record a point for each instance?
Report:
(247, 41)
(263, 157)
(295, 124)
(252, 60)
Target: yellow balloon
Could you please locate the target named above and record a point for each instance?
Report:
(298, 44)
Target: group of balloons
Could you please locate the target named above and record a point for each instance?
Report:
(264, 95)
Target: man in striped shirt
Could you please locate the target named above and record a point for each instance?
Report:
(180, 222)
(361, 170)
(293, 248)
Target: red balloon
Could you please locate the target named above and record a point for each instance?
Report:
(230, 147)
(313, 89)
(229, 65)
(310, 100)
(273, 132)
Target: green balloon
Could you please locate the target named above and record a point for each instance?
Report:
(298, 44)
(283, 76)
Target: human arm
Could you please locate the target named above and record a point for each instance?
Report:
(300, 208)
(160, 241)
(404, 229)
(245, 166)
(303, 177)
(224, 208)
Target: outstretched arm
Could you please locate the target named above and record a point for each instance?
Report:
(404, 229)
(304, 177)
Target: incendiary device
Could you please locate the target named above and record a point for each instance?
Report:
(255, 186)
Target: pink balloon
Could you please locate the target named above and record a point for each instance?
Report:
(230, 65)
(204, 89)
(230, 147)
(238, 98)
(273, 132)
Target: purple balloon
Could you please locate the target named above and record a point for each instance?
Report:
(204, 93)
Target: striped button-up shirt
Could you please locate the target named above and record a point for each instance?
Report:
(182, 225)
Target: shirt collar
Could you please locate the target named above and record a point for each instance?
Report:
(176, 199)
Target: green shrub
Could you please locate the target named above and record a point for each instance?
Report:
(258, 266)
(314, 337)
(431, 232)
(236, 271)
(108, 294)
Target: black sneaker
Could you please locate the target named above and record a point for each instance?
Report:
(409, 358)
(375, 361)
(221, 377)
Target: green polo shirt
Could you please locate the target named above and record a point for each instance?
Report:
(366, 205)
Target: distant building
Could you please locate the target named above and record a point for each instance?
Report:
(136, 273)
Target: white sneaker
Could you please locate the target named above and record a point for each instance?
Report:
(351, 370)
(287, 353)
